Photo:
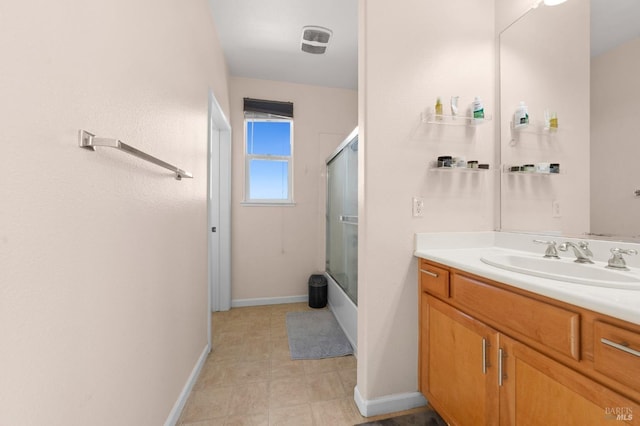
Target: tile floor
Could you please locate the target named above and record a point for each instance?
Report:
(249, 378)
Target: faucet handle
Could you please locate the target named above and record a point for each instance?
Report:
(551, 251)
(617, 261)
(584, 245)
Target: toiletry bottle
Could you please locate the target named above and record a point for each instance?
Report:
(454, 105)
(477, 108)
(521, 116)
(547, 119)
(438, 109)
(550, 120)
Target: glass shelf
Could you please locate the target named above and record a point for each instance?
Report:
(435, 168)
(453, 120)
(530, 173)
(507, 170)
(534, 128)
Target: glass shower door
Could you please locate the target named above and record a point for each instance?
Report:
(342, 219)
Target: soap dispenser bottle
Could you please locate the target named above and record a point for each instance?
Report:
(477, 109)
(521, 116)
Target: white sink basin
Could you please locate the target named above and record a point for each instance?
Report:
(565, 270)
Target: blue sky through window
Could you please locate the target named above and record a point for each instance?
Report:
(268, 137)
(268, 178)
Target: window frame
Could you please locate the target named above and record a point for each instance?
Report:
(247, 200)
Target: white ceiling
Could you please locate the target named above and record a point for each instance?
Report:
(612, 23)
(261, 39)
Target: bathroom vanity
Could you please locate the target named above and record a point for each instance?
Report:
(503, 347)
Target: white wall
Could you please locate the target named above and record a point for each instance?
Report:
(509, 11)
(614, 140)
(276, 248)
(547, 70)
(410, 53)
(103, 282)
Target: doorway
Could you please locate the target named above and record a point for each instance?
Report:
(219, 210)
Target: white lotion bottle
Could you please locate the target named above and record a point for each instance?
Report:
(454, 106)
(477, 109)
(521, 116)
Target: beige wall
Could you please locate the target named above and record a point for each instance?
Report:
(547, 70)
(508, 12)
(276, 248)
(615, 143)
(410, 53)
(103, 282)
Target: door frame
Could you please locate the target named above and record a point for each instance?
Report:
(218, 211)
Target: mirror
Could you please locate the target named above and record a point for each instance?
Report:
(615, 128)
(579, 61)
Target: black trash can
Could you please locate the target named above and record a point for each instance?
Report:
(317, 291)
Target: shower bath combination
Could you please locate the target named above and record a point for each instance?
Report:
(342, 234)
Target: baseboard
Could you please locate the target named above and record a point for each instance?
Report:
(174, 415)
(240, 303)
(388, 404)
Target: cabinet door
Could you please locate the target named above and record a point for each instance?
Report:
(536, 390)
(459, 365)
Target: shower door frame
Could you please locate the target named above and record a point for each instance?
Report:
(353, 136)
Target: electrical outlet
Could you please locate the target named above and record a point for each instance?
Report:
(418, 207)
(555, 208)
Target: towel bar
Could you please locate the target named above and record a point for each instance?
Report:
(90, 141)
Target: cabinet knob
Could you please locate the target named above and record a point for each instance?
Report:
(501, 356)
(485, 363)
(620, 346)
(432, 274)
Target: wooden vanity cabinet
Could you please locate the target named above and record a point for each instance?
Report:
(492, 356)
(537, 390)
(456, 356)
(617, 353)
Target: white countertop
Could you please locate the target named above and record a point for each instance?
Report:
(464, 250)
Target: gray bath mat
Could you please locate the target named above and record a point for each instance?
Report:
(316, 335)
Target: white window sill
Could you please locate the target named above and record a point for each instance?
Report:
(268, 204)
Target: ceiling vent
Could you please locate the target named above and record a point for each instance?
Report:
(315, 39)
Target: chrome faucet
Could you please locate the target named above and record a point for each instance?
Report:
(550, 252)
(617, 261)
(581, 250)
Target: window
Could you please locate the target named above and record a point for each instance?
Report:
(268, 151)
(268, 159)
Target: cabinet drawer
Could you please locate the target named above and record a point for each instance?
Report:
(616, 353)
(433, 279)
(549, 325)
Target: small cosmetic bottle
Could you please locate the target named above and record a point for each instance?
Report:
(445, 161)
(521, 116)
(454, 106)
(438, 109)
(543, 168)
